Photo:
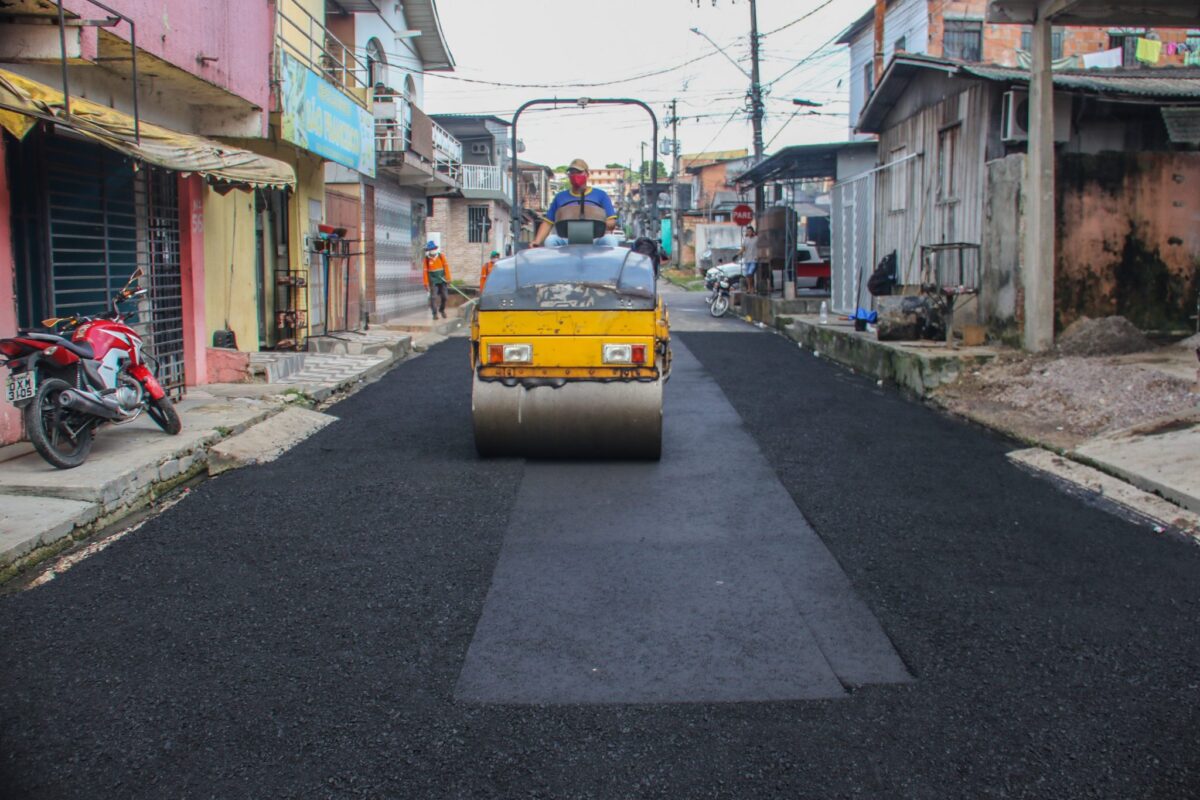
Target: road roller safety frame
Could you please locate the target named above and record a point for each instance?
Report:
(570, 348)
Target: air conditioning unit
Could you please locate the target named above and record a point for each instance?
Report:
(479, 149)
(1014, 117)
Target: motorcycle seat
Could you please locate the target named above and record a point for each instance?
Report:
(81, 349)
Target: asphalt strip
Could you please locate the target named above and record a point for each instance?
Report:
(595, 600)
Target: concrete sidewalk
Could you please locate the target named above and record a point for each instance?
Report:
(43, 510)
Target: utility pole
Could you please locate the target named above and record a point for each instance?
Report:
(756, 102)
(643, 226)
(676, 239)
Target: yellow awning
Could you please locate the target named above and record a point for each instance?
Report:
(23, 101)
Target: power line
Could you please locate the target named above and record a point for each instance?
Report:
(722, 130)
(591, 85)
(811, 56)
(826, 4)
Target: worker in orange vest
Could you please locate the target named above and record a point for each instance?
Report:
(486, 269)
(436, 276)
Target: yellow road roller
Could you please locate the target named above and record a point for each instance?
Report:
(570, 348)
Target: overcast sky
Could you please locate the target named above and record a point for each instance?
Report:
(578, 41)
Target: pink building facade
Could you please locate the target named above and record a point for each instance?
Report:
(76, 218)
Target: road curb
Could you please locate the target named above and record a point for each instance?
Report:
(151, 482)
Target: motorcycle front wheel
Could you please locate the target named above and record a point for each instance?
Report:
(163, 412)
(720, 305)
(61, 436)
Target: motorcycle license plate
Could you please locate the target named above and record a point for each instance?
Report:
(20, 387)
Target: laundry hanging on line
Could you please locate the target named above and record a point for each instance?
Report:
(1105, 59)
(1149, 51)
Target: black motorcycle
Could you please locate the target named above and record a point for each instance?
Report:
(721, 293)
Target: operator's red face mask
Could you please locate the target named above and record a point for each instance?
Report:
(578, 179)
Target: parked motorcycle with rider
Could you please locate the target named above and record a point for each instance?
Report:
(67, 385)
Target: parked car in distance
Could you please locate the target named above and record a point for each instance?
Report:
(812, 271)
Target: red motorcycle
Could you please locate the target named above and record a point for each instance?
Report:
(68, 387)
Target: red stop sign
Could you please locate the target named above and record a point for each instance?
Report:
(743, 215)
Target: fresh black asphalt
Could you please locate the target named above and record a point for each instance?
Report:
(300, 629)
(618, 583)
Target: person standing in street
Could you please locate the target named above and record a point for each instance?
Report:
(436, 276)
(486, 269)
(749, 257)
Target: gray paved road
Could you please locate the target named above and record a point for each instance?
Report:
(823, 590)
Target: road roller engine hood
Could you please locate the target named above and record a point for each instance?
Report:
(583, 277)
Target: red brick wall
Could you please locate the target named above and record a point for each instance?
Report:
(712, 180)
(1001, 42)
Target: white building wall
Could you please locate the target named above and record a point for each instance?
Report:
(402, 57)
(910, 19)
(861, 48)
(906, 18)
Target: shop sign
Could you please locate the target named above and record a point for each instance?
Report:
(316, 116)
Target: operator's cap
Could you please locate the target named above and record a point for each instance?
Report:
(431, 245)
(579, 164)
(495, 253)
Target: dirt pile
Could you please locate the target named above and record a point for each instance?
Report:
(1107, 336)
(1063, 401)
(1191, 343)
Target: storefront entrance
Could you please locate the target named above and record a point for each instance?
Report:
(83, 221)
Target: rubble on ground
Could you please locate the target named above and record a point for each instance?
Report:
(1107, 336)
(1063, 401)
(1191, 343)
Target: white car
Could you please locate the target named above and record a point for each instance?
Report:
(727, 270)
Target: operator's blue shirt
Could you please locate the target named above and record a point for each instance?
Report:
(594, 197)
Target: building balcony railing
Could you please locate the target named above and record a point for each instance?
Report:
(448, 153)
(479, 177)
(303, 37)
(401, 127)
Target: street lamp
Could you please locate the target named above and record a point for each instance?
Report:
(732, 60)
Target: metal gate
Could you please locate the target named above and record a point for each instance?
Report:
(399, 239)
(157, 202)
(91, 219)
(853, 243)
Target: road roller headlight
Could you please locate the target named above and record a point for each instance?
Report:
(624, 354)
(510, 353)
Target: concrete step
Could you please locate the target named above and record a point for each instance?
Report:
(266, 441)
(272, 367)
(362, 344)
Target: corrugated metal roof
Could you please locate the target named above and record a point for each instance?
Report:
(800, 162)
(1167, 83)
(1183, 124)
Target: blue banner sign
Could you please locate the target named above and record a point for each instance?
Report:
(317, 116)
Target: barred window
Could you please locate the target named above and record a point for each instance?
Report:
(479, 225)
(962, 39)
(1056, 43)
